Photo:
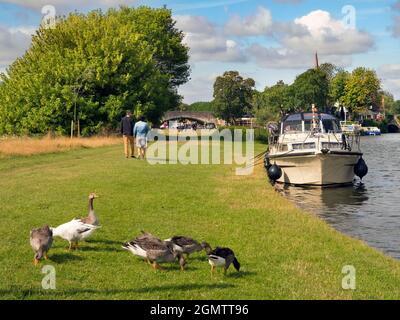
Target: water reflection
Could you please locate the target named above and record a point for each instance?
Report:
(369, 212)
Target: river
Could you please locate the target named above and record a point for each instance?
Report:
(370, 213)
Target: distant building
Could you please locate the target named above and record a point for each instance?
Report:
(371, 115)
(201, 117)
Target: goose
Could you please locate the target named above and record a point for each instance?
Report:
(188, 245)
(74, 231)
(41, 240)
(154, 250)
(134, 246)
(222, 257)
(91, 218)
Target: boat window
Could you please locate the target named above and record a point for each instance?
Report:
(292, 126)
(331, 145)
(302, 146)
(294, 117)
(331, 125)
(307, 125)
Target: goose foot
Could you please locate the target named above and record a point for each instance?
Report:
(35, 262)
(156, 266)
(212, 270)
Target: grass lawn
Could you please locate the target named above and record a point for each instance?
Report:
(285, 253)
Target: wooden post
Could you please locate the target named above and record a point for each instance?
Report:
(72, 132)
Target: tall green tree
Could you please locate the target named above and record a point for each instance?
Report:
(338, 85)
(396, 108)
(95, 65)
(362, 90)
(311, 87)
(389, 102)
(232, 96)
(270, 104)
(202, 106)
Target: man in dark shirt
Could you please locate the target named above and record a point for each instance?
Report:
(127, 124)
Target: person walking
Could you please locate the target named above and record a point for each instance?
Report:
(127, 133)
(140, 132)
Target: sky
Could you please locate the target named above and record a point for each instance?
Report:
(268, 40)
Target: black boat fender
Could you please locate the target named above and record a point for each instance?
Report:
(361, 169)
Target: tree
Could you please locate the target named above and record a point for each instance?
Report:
(389, 102)
(100, 63)
(201, 106)
(330, 70)
(338, 85)
(270, 104)
(362, 90)
(311, 87)
(232, 96)
(396, 108)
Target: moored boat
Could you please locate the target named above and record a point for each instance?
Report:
(370, 131)
(310, 149)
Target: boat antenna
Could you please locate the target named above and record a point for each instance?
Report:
(316, 61)
(314, 111)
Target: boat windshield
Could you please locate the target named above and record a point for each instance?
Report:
(330, 124)
(294, 123)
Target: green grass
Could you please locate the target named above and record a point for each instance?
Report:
(285, 253)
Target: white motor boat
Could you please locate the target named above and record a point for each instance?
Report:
(351, 127)
(310, 149)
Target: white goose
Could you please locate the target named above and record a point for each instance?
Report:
(79, 229)
(74, 231)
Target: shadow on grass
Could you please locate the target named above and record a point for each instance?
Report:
(64, 257)
(25, 293)
(98, 249)
(107, 242)
(240, 274)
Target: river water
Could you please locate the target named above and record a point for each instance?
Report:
(370, 213)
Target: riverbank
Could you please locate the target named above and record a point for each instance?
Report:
(27, 146)
(285, 253)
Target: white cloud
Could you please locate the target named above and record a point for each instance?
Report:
(13, 43)
(199, 88)
(258, 24)
(278, 58)
(207, 42)
(328, 36)
(390, 75)
(315, 32)
(27, 30)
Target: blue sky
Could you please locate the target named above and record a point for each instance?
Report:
(267, 40)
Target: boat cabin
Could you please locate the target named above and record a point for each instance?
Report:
(310, 122)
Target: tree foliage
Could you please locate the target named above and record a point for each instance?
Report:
(338, 85)
(201, 106)
(311, 87)
(102, 63)
(274, 101)
(233, 96)
(362, 90)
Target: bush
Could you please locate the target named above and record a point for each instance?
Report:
(260, 134)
